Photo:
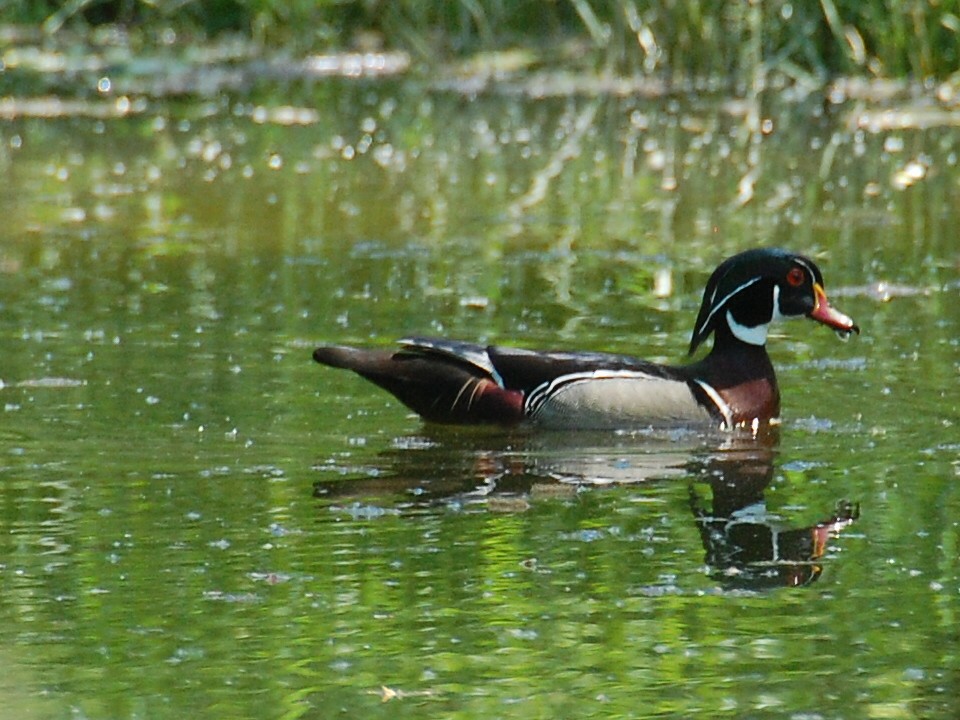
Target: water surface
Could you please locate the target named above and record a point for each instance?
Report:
(197, 520)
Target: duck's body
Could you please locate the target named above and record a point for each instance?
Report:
(453, 382)
(734, 385)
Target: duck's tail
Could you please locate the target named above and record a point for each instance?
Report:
(442, 385)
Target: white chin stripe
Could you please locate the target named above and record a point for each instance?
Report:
(756, 335)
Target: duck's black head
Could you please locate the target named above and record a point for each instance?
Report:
(752, 289)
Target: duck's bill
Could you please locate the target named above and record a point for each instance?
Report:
(830, 316)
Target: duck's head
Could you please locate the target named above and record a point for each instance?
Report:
(752, 289)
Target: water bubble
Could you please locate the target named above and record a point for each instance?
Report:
(211, 151)
(383, 154)
(893, 144)
(75, 214)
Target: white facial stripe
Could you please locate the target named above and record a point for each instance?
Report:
(813, 276)
(723, 302)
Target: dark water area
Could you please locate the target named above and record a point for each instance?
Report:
(197, 520)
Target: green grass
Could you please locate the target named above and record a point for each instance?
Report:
(671, 38)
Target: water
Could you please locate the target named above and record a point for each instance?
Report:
(198, 520)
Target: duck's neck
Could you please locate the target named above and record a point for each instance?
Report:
(743, 376)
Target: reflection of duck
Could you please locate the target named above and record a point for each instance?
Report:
(746, 546)
(443, 464)
(734, 385)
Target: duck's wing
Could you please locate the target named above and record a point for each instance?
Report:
(529, 369)
(443, 381)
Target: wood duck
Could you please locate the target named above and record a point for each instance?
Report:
(734, 385)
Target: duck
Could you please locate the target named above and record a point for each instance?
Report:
(733, 386)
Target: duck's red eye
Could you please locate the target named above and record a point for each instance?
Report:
(796, 276)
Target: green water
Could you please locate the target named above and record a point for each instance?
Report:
(199, 521)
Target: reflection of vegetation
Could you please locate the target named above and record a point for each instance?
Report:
(676, 38)
(442, 201)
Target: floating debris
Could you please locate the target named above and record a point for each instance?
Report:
(881, 291)
(507, 504)
(269, 578)
(921, 117)
(746, 187)
(909, 175)
(54, 107)
(389, 693)
(356, 64)
(871, 90)
(221, 596)
(51, 382)
(663, 283)
(360, 511)
(475, 302)
(284, 115)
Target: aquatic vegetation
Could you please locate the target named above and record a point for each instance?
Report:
(739, 43)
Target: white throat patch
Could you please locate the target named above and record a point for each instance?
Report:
(756, 335)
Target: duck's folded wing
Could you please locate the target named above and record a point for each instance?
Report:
(528, 369)
(443, 381)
